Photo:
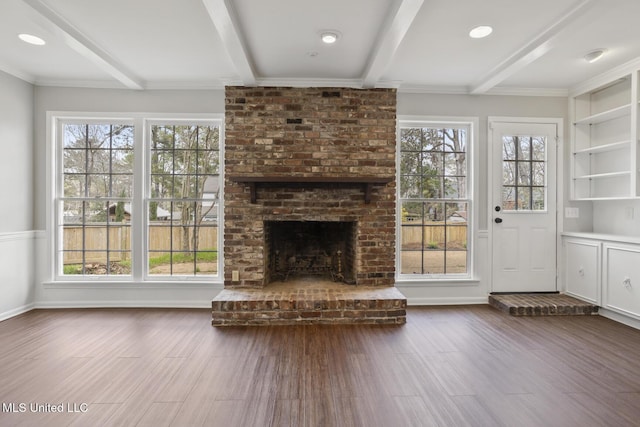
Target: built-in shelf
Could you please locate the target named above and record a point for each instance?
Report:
(604, 140)
(604, 148)
(604, 175)
(604, 116)
(309, 181)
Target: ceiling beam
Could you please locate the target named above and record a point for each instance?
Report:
(225, 20)
(79, 42)
(536, 48)
(389, 38)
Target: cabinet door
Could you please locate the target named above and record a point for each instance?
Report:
(622, 279)
(582, 269)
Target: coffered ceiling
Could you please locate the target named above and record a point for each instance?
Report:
(414, 45)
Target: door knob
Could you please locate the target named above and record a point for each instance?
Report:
(497, 220)
(497, 208)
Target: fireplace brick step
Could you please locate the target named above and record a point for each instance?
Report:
(309, 301)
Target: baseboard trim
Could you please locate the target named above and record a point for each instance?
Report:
(16, 311)
(620, 318)
(122, 304)
(447, 301)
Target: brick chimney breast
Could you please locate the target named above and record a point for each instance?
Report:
(318, 134)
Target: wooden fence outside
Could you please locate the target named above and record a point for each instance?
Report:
(161, 241)
(433, 234)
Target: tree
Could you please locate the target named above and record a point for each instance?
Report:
(120, 213)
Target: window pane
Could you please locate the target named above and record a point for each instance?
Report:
(524, 198)
(411, 262)
(410, 186)
(455, 164)
(538, 148)
(538, 199)
(183, 210)
(456, 261)
(412, 212)
(508, 198)
(411, 139)
(454, 188)
(432, 164)
(538, 173)
(523, 144)
(433, 262)
(509, 173)
(432, 187)
(508, 148)
(524, 173)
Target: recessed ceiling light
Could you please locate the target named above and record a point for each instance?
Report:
(329, 37)
(594, 55)
(480, 32)
(31, 39)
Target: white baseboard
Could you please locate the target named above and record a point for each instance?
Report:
(16, 311)
(620, 318)
(122, 304)
(447, 301)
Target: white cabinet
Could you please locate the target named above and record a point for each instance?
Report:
(582, 269)
(604, 141)
(622, 278)
(603, 269)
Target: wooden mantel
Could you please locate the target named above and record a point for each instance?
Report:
(366, 181)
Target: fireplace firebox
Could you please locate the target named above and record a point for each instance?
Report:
(297, 249)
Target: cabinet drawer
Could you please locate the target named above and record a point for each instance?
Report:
(622, 278)
(582, 269)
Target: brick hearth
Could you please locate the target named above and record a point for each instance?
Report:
(309, 301)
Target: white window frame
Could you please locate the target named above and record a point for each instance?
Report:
(472, 124)
(139, 231)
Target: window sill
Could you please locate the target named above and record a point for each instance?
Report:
(437, 282)
(150, 284)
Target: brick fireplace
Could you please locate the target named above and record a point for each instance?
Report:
(306, 165)
(312, 144)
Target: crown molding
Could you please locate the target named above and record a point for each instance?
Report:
(528, 91)
(463, 90)
(17, 73)
(302, 82)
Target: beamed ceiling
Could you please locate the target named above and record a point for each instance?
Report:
(536, 46)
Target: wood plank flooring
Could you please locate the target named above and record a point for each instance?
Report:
(448, 366)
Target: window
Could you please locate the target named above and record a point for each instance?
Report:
(523, 163)
(434, 199)
(137, 199)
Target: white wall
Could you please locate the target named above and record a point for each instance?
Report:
(620, 217)
(16, 183)
(481, 107)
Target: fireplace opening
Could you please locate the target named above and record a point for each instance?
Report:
(297, 249)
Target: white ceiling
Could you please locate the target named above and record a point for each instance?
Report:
(415, 45)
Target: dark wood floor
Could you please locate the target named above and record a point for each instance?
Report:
(448, 366)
